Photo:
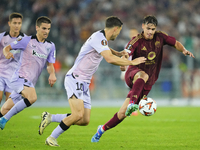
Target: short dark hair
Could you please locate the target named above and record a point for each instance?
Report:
(113, 21)
(150, 19)
(15, 15)
(42, 19)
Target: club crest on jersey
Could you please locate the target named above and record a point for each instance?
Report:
(48, 49)
(15, 42)
(39, 55)
(157, 44)
(104, 42)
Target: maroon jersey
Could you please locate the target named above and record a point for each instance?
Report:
(150, 49)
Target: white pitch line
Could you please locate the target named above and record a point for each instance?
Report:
(35, 117)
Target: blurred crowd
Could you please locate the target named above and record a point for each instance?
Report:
(73, 21)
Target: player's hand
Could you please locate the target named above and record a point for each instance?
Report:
(186, 52)
(123, 68)
(138, 61)
(52, 79)
(8, 55)
(124, 53)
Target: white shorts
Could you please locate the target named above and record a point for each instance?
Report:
(18, 85)
(16, 97)
(5, 85)
(79, 89)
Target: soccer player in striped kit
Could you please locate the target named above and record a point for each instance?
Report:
(37, 52)
(140, 78)
(78, 78)
(9, 66)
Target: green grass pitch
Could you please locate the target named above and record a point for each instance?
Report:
(170, 128)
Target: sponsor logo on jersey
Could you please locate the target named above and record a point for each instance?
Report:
(144, 48)
(39, 55)
(104, 42)
(151, 55)
(135, 96)
(15, 51)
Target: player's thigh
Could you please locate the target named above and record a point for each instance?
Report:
(84, 121)
(86, 116)
(1, 95)
(29, 93)
(76, 106)
(7, 106)
(7, 95)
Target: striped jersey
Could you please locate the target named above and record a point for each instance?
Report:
(150, 49)
(9, 66)
(89, 57)
(34, 57)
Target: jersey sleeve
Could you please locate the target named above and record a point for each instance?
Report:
(99, 43)
(20, 43)
(52, 55)
(131, 46)
(169, 40)
(1, 35)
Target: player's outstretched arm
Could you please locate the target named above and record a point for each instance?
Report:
(119, 54)
(52, 77)
(112, 59)
(7, 53)
(116, 53)
(182, 49)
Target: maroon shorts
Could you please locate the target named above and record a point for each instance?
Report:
(129, 76)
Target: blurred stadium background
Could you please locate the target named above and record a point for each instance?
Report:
(73, 21)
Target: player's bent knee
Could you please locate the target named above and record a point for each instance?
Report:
(143, 75)
(32, 99)
(5, 109)
(77, 116)
(146, 77)
(86, 122)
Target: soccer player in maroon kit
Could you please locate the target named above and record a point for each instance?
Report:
(142, 77)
